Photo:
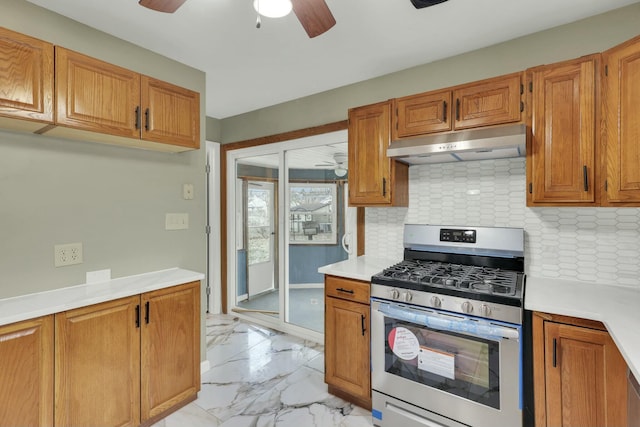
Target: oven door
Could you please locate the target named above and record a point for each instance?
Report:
(459, 368)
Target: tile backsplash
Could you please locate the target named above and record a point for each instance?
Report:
(588, 244)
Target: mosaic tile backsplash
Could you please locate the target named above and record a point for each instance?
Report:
(589, 244)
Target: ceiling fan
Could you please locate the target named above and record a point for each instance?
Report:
(339, 164)
(314, 15)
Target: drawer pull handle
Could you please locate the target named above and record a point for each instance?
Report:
(346, 291)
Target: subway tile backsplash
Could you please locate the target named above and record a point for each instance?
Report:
(589, 244)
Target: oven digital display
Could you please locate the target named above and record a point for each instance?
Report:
(457, 236)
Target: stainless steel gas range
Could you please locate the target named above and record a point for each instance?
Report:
(447, 337)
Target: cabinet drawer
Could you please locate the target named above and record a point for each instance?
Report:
(348, 289)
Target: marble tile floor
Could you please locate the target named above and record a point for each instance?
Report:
(260, 377)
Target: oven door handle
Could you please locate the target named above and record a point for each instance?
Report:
(450, 323)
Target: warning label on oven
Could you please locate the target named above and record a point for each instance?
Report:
(437, 362)
(403, 343)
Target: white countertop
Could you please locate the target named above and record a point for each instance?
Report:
(360, 268)
(615, 306)
(30, 306)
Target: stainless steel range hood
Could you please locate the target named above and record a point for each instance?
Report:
(495, 142)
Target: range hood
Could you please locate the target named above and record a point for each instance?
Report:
(495, 142)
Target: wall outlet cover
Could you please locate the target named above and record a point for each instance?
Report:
(67, 254)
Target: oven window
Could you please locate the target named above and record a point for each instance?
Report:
(454, 363)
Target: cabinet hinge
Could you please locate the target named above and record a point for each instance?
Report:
(606, 70)
(521, 106)
(530, 188)
(531, 86)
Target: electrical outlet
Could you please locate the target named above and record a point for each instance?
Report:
(67, 254)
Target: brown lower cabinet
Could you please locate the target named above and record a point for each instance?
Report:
(26, 373)
(579, 374)
(125, 362)
(347, 350)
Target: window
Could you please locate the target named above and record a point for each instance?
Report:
(312, 214)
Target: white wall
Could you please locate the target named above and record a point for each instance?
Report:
(590, 244)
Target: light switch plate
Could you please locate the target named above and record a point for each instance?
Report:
(176, 221)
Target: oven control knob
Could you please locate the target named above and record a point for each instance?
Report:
(467, 307)
(394, 294)
(436, 302)
(485, 310)
(407, 296)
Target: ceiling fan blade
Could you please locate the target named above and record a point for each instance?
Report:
(314, 15)
(167, 6)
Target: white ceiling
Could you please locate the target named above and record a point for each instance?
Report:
(249, 68)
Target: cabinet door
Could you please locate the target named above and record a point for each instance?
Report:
(96, 96)
(489, 102)
(622, 124)
(26, 373)
(585, 378)
(374, 179)
(171, 113)
(97, 360)
(26, 77)
(561, 164)
(347, 354)
(421, 114)
(170, 348)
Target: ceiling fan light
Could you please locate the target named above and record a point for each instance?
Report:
(272, 8)
(340, 171)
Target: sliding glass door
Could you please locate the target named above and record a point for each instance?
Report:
(287, 218)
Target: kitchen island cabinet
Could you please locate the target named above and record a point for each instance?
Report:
(562, 161)
(26, 79)
(347, 347)
(374, 178)
(621, 88)
(26, 373)
(579, 374)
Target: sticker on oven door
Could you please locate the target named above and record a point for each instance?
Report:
(437, 362)
(403, 343)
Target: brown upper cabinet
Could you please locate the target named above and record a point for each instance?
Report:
(96, 96)
(561, 153)
(487, 102)
(621, 133)
(26, 81)
(374, 179)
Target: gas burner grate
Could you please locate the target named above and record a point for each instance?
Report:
(447, 275)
